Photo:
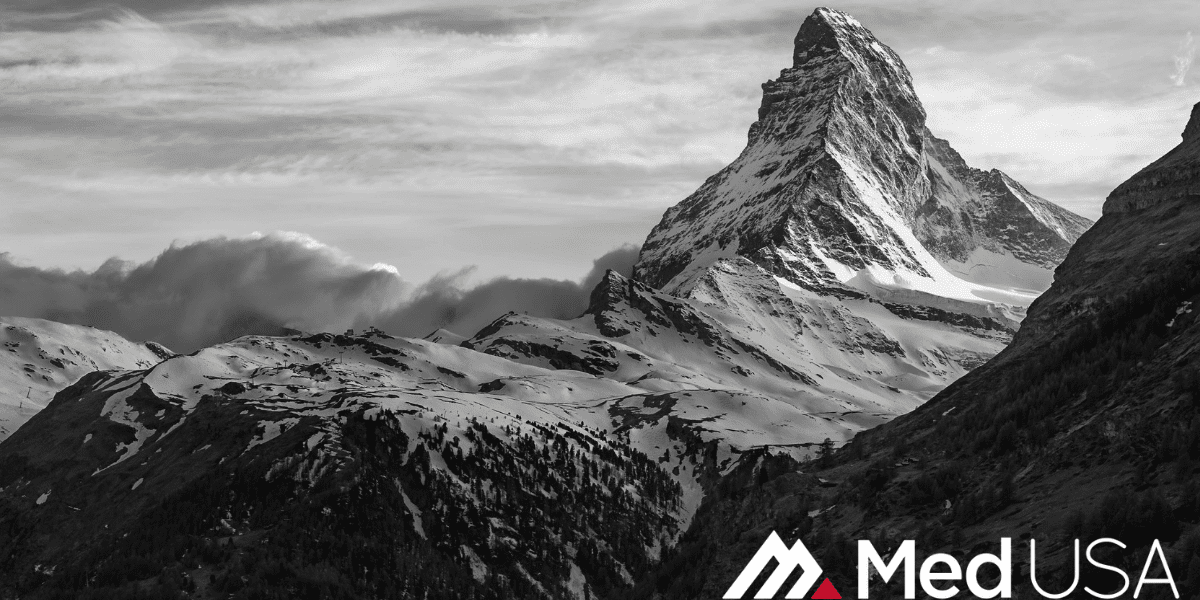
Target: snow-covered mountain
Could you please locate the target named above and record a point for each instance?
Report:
(847, 263)
(41, 357)
(486, 473)
(851, 240)
(844, 269)
(842, 190)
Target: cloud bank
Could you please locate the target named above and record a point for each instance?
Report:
(198, 294)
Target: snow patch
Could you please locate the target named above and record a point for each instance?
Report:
(1185, 308)
(418, 524)
(314, 440)
(272, 430)
(479, 570)
(577, 584)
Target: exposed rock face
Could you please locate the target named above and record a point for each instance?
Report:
(1174, 176)
(840, 176)
(974, 220)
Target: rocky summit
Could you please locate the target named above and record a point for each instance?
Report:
(847, 267)
(843, 190)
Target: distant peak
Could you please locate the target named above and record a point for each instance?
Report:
(607, 292)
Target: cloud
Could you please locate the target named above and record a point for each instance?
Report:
(443, 302)
(1183, 60)
(198, 294)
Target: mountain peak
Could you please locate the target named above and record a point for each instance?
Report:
(827, 30)
(834, 51)
(839, 176)
(818, 34)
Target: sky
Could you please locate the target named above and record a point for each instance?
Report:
(510, 138)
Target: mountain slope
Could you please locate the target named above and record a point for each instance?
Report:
(41, 357)
(1172, 177)
(986, 228)
(805, 371)
(1087, 425)
(285, 466)
(559, 437)
(674, 349)
(623, 418)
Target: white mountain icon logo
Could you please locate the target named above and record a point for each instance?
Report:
(789, 559)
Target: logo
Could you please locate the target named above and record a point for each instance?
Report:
(789, 559)
(938, 574)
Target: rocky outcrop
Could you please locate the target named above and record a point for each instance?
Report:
(970, 209)
(1175, 176)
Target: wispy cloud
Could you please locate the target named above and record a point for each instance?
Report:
(1183, 60)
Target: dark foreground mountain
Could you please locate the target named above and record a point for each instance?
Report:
(1087, 426)
(843, 270)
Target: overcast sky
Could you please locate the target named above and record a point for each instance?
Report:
(526, 138)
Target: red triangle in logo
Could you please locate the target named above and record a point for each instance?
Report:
(826, 591)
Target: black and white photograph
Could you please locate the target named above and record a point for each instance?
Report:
(599, 300)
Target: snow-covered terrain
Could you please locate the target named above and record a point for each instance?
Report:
(40, 357)
(471, 425)
(843, 270)
(643, 402)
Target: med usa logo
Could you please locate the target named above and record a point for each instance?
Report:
(938, 573)
(789, 560)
